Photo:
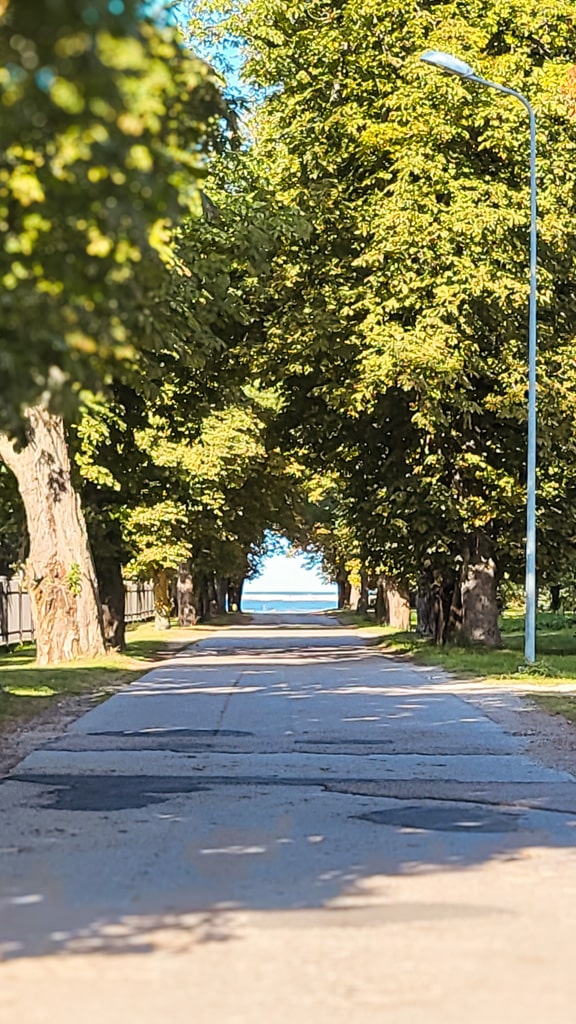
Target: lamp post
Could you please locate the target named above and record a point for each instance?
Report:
(455, 66)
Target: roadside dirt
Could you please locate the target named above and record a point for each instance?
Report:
(551, 739)
(20, 738)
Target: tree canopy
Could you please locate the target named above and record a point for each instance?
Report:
(106, 123)
(400, 340)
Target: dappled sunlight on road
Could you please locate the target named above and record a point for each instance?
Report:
(274, 793)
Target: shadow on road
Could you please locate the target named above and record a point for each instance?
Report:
(166, 834)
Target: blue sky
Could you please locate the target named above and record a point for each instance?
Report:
(225, 57)
(288, 574)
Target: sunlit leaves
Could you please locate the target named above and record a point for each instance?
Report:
(106, 122)
(400, 332)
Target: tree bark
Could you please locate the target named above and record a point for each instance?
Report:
(212, 595)
(399, 604)
(235, 588)
(392, 604)
(202, 596)
(222, 583)
(362, 603)
(162, 600)
(59, 573)
(479, 596)
(344, 589)
(436, 601)
(113, 600)
(381, 611)
(424, 607)
(187, 611)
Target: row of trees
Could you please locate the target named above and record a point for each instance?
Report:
(119, 319)
(400, 340)
(311, 321)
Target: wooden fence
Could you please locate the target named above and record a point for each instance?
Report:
(139, 601)
(16, 624)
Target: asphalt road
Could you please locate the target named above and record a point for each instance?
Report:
(284, 822)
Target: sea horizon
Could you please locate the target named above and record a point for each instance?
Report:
(289, 600)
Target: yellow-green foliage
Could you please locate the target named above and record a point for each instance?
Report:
(403, 317)
(105, 123)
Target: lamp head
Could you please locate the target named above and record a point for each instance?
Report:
(446, 62)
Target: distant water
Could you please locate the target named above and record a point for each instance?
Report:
(283, 602)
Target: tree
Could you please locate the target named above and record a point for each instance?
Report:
(105, 122)
(193, 495)
(149, 502)
(401, 336)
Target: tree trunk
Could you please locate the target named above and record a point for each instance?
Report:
(187, 611)
(435, 604)
(479, 597)
(381, 610)
(392, 604)
(212, 595)
(60, 575)
(113, 599)
(453, 600)
(202, 596)
(424, 607)
(399, 605)
(362, 604)
(344, 589)
(555, 597)
(162, 600)
(222, 583)
(235, 588)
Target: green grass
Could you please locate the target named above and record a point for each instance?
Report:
(26, 689)
(348, 618)
(562, 704)
(556, 650)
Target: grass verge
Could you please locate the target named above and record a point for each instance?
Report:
(556, 651)
(26, 690)
(562, 704)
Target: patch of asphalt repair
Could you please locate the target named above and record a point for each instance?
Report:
(454, 818)
(180, 732)
(118, 792)
(182, 741)
(107, 792)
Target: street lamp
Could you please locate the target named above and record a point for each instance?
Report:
(455, 66)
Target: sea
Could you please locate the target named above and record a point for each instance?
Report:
(283, 602)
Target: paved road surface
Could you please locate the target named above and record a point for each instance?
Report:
(283, 824)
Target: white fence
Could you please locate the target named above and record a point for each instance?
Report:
(16, 617)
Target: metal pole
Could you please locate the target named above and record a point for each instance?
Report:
(531, 590)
